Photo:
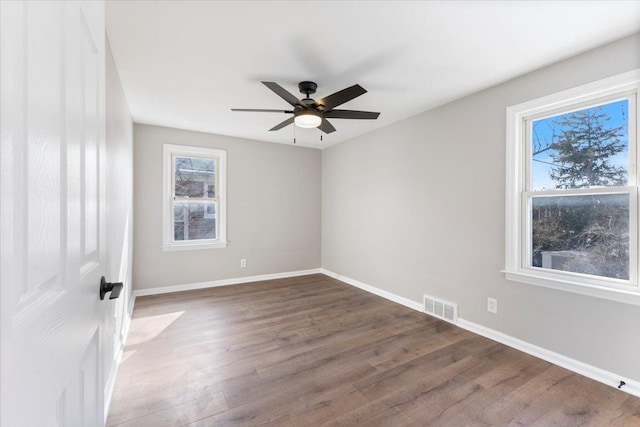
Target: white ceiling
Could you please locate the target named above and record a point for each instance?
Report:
(184, 64)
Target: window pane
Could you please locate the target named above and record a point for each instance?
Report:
(210, 210)
(581, 149)
(211, 191)
(582, 234)
(194, 221)
(178, 231)
(178, 213)
(195, 177)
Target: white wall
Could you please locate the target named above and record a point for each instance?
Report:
(418, 207)
(273, 210)
(119, 217)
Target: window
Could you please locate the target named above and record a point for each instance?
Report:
(194, 215)
(572, 190)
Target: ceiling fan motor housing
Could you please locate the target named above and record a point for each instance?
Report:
(307, 88)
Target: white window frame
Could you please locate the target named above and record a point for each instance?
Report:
(170, 151)
(517, 222)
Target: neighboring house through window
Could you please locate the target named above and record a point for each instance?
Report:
(194, 211)
(572, 190)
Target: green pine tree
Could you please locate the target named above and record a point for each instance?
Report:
(583, 150)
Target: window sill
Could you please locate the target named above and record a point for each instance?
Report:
(193, 246)
(627, 296)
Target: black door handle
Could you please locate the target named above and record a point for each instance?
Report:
(114, 288)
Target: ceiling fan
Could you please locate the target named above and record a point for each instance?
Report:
(309, 113)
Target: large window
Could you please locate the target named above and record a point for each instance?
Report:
(572, 190)
(194, 198)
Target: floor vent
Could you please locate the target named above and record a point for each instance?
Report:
(441, 309)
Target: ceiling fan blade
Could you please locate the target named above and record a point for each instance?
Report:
(284, 94)
(260, 110)
(341, 97)
(350, 114)
(326, 127)
(283, 124)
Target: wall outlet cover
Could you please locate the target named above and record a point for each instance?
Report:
(492, 305)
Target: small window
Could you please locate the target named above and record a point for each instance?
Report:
(572, 190)
(195, 205)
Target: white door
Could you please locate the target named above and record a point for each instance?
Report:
(51, 212)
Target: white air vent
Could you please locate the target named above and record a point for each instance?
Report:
(441, 309)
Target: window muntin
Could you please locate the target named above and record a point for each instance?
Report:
(597, 255)
(195, 211)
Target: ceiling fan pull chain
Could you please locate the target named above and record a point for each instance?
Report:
(294, 135)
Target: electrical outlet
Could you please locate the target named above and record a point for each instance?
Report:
(492, 305)
(243, 263)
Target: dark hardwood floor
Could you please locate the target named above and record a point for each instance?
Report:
(312, 351)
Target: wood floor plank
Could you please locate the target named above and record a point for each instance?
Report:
(312, 351)
(178, 414)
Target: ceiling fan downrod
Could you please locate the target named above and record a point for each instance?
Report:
(308, 88)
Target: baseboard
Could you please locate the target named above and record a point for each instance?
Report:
(584, 369)
(376, 291)
(224, 282)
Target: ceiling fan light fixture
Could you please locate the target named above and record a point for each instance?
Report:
(307, 119)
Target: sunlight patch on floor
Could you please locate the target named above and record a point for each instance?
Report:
(145, 329)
